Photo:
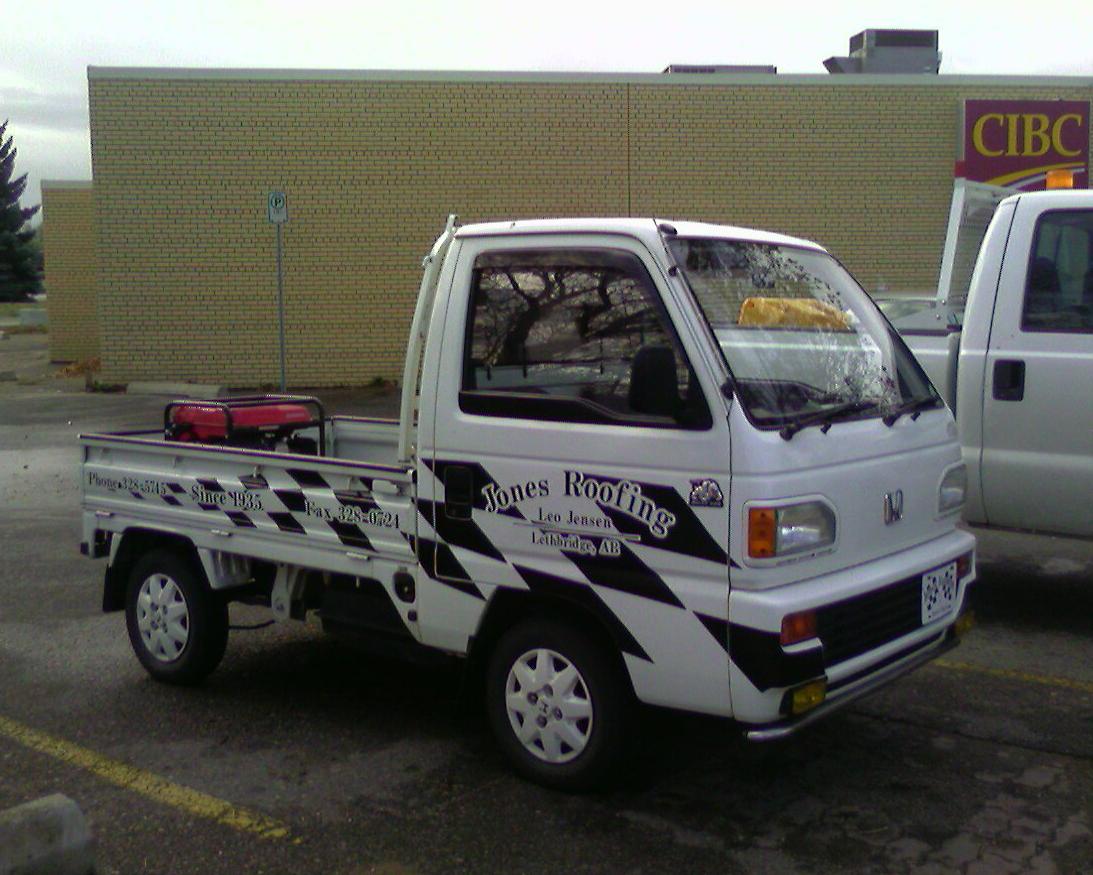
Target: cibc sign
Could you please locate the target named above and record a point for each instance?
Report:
(1016, 142)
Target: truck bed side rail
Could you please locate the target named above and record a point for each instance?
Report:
(251, 501)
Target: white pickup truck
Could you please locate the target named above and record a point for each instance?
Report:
(1016, 365)
(688, 465)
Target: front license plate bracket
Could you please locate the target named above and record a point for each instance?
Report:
(938, 593)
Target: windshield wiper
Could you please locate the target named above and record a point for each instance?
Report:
(915, 407)
(825, 417)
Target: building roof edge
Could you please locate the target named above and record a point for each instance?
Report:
(545, 77)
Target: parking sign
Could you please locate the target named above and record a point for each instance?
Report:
(277, 207)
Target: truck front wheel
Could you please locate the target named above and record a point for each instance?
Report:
(556, 704)
(177, 626)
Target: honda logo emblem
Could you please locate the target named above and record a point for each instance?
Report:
(893, 507)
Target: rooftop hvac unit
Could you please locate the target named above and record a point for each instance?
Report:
(889, 51)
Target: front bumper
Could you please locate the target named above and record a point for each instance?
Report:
(869, 632)
(854, 690)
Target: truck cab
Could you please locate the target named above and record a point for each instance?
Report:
(1016, 364)
(1026, 367)
(709, 429)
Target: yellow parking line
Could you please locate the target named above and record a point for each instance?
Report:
(1013, 675)
(146, 783)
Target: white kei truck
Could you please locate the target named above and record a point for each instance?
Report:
(682, 464)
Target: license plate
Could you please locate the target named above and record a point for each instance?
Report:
(938, 592)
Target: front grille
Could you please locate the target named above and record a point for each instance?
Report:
(858, 625)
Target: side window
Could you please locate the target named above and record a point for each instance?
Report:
(1059, 286)
(574, 335)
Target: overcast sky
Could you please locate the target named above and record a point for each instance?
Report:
(47, 45)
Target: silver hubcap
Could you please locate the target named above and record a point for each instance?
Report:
(163, 617)
(549, 706)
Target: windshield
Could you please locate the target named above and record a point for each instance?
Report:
(799, 335)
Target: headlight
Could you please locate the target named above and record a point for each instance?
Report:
(950, 494)
(789, 529)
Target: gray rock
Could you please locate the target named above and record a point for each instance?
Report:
(49, 836)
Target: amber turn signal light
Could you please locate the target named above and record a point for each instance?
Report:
(762, 528)
(807, 696)
(964, 565)
(964, 624)
(798, 627)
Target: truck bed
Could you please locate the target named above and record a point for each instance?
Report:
(336, 512)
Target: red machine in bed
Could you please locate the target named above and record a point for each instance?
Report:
(264, 422)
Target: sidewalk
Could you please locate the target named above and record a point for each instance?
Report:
(25, 369)
(24, 361)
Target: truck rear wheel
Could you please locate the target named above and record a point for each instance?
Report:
(177, 626)
(556, 704)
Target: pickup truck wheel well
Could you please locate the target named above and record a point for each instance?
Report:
(134, 544)
(510, 607)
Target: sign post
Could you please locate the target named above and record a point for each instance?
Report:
(277, 212)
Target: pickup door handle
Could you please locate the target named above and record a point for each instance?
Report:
(458, 492)
(1009, 380)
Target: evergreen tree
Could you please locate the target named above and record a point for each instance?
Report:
(18, 257)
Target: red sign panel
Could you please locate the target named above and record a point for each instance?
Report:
(1016, 142)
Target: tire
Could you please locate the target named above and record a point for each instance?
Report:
(178, 627)
(557, 704)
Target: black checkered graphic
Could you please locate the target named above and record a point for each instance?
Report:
(284, 504)
(452, 551)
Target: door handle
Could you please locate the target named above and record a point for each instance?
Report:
(1009, 380)
(458, 492)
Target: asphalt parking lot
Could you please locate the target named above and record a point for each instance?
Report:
(302, 755)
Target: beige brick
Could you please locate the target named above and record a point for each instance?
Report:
(68, 211)
(186, 286)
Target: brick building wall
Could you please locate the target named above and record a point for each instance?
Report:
(372, 163)
(861, 164)
(68, 209)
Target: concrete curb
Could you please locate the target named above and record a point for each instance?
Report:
(49, 836)
(176, 390)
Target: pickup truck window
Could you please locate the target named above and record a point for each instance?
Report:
(574, 335)
(800, 337)
(1059, 286)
